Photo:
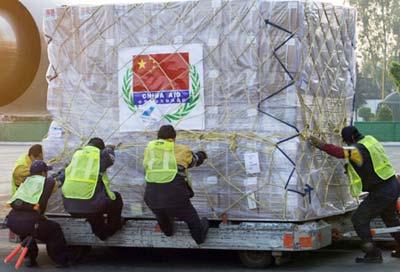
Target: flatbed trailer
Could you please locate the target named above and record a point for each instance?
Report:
(259, 244)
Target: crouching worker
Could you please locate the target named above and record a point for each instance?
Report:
(86, 189)
(168, 191)
(22, 165)
(27, 217)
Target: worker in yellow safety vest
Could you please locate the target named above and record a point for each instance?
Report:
(86, 189)
(168, 189)
(369, 170)
(22, 165)
(27, 217)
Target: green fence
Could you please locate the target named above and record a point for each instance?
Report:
(383, 131)
(24, 131)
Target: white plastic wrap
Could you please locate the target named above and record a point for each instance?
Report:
(259, 166)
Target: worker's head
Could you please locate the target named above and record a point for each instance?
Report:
(35, 152)
(351, 135)
(97, 142)
(166, 132)
(39, 167)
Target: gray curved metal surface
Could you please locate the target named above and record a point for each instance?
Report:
(20, 50)
(23, 58)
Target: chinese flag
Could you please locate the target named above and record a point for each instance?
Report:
(161, 72)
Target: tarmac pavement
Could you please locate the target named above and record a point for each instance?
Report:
(333, 259)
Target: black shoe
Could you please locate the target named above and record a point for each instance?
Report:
(395, 254)
(122, 224)
(31, 263)
(204, 226)
(102, 237)
(369, 260)
(371, 257)
(61, 265)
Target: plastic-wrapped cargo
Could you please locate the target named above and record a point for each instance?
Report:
(244, 80)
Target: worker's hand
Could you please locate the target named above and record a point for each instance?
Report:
(202, 155)
(36, 207)
(55, 175)
(111, 147)
(114, 147)
(318, 143)
(336, 235)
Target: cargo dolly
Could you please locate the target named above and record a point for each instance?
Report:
(258, 244)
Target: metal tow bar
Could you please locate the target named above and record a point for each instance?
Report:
(374, 231)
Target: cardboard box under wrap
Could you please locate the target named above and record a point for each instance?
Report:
(259, 167)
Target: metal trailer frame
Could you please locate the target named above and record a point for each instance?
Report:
(259, 244)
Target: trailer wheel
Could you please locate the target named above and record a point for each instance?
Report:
(256, 259)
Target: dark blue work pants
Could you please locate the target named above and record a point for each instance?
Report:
(380, 202)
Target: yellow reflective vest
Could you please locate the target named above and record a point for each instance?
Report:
(382, 166)
(160, 162)
(30, 191)
(82, 174)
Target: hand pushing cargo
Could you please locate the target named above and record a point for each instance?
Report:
(369, 170)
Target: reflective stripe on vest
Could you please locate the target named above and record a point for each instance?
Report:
(380, 162)
(82, 174)
(23, 160)
(30, 190)
(159, 162)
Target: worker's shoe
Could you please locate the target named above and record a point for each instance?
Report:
(31, 263)
(200, 237)
(205, 226)
(102, 236)
(62, 265)
(369, 259)
(372, 254)
(395, 253)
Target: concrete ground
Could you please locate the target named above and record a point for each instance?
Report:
(339, 257)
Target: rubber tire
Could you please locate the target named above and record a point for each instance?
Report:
(256, 259)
